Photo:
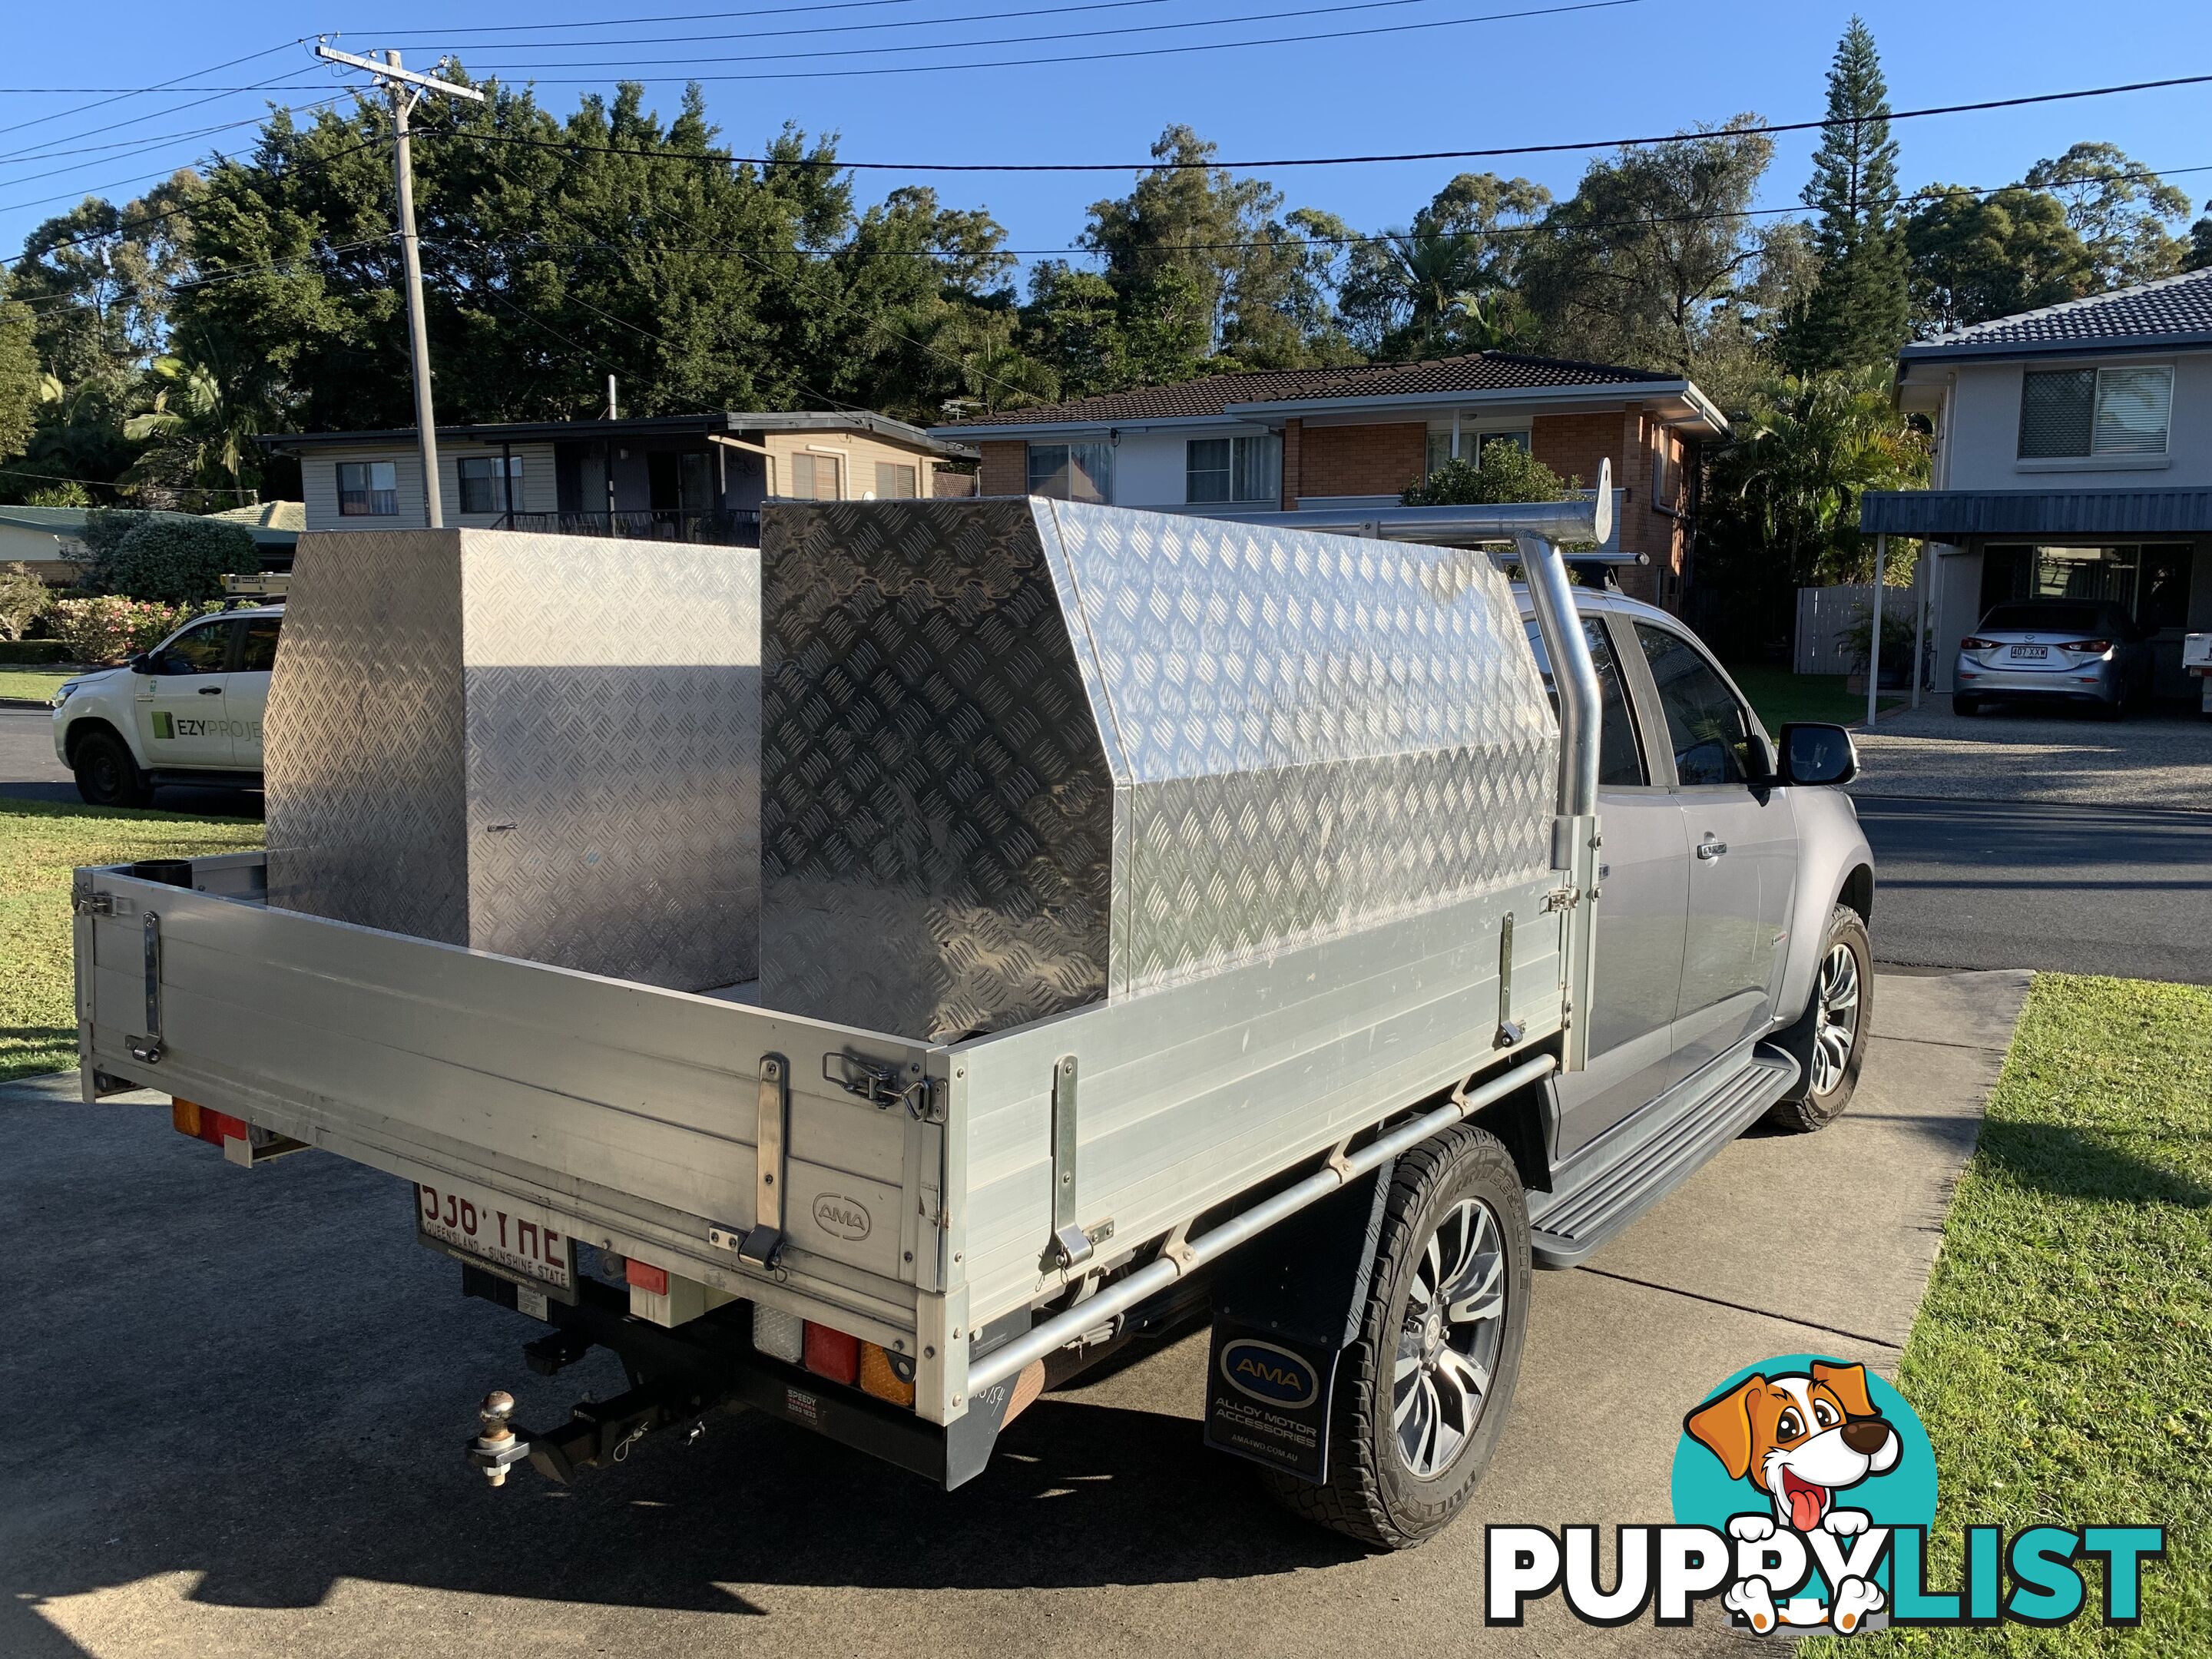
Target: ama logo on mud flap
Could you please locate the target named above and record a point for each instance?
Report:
(1273, 1376)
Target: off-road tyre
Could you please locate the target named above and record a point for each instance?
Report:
(106, 775)
(1809, 1106)
(1372, 1495)
(1965, 707)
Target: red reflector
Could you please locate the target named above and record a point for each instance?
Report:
(219, 1127)
(832, 1354)
(645, 1277)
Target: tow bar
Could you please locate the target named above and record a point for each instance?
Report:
(597, 1432)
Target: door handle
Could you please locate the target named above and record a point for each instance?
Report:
(211, 690)
(1710, 848)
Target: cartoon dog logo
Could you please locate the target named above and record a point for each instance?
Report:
(1800, 1437)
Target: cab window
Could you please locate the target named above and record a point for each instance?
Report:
(1708, 729)
(256, 651)
(1620, 765)
(202, 650)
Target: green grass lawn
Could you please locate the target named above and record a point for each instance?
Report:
(38, 683)
(40, 843)
(1780, 696)
(2063, 1360)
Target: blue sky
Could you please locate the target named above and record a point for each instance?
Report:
(1649, 66)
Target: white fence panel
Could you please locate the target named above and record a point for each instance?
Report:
(1824, 614)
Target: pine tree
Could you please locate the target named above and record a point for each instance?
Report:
(1859, 314)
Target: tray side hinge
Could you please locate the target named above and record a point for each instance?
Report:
(764, 1244)
(149, 1049)
(1069, 1243)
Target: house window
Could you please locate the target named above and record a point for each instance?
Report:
(369, 488)
(1470, 444)
(814, 478)
(1072, 472)
(2076, 412)
(483, 488)
(1234, 469)
(894, 483)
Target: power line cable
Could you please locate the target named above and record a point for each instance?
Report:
(1167, 165)
(830, 28)
(122, 92)
(1031, 39)
(1109, 57)
(150, 145)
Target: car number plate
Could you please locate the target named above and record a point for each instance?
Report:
(516, 1241)
(2030, 653)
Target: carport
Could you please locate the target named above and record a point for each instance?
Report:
(2147, 549)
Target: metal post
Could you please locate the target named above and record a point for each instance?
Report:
(418, 334)
(506, 482)
(610, 398)
(1920, 618)
(406, 86)
(1874, 638)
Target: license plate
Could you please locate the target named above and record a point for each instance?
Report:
(492, 1231)
(2030, 653)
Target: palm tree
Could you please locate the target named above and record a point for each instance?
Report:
(1805, 451)
(197, 438)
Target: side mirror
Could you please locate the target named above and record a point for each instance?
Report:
(142, 663)
(1814, 754)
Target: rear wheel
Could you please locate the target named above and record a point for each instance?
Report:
(1967, 706)
(1829, 1040)
(106, 775)
(1422, 1393)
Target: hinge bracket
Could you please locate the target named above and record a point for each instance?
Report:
(1069, 1243)
(764, 1244)
(149, 1049)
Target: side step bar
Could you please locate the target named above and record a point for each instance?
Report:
(1574, 1220)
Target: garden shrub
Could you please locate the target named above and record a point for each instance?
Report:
(171, 557)
(111, 629)
(23, 599)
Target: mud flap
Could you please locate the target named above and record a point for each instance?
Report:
(1284, 1307)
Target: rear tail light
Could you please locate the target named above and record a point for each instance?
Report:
(1974, 642)
(778, 1335)
(884, 1377)
(832, 1354)
(2087, 647)
(203, 1123)
(646, 1277)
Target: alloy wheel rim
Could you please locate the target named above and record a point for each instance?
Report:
(1836, 1027)
(1449, 1336)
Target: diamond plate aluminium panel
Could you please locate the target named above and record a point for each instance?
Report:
(936, 812)
(1310, 734)
(1018, 754)
(544, 746)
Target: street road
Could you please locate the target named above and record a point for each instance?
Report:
(29, 771)
(2085, 890)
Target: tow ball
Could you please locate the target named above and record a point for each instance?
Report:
(497, 1447)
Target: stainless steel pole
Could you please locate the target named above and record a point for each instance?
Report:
(418, 338)
(1874, 639)
(1920, 616)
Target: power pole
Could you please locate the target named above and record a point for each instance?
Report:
(407, 88)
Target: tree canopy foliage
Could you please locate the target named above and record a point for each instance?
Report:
(143, 346)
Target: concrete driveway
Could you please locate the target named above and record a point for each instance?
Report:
(2162, 759)
(238, 1400)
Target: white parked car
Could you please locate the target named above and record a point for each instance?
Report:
(189, 711)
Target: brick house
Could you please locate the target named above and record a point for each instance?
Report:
(1328, 440)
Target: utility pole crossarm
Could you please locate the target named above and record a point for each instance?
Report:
(407, 88)
(389, 72)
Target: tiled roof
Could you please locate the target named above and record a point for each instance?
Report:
(1477, 371)
(2172, 311)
